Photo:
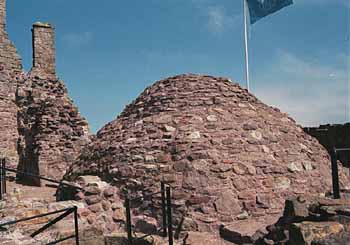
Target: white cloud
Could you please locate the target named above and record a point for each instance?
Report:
(219, 20)
(78, 38)
(216, 17)
(311, 93)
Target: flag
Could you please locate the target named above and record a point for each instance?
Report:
(261, 8)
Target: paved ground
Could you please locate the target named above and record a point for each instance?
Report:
(46, 192)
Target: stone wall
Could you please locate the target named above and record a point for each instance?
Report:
(8, 118)
(333, 135)
(10, 68)
(52, 132)
(2, 14)
(41, 130)
(8, 54)
(44, 48)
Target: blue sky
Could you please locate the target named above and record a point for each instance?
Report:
(108, 51)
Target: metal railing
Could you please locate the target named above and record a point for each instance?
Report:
(335, 171)
(66, 212)
(4, 170)
(167, 224)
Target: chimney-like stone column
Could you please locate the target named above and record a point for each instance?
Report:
(2, 15)
(44, 59)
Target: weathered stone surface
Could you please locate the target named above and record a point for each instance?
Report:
(8, 54)
(296, 208)
(208, 138)
(52, 132)
(10, 74)
(145, 224)
(44, 49)
(121, 239)
(308, 232)
(317, 221)
(207, 238)
(246, 231)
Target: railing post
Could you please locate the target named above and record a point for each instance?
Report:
(76, 225)
(128, 220)
(1, 173)
(164, 213)
(170, 223)
(4, 175)
(335, 176)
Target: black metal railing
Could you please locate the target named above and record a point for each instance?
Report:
(2, 177)
(66, 212)
(335, 172)
(167, 225)
(3, 174)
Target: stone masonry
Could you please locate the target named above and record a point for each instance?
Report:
(51, 130)
(42, 131)
(8, 54)
(10, 68)
(227, 155)
(44, 48)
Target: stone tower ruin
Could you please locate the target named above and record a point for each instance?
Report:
(42, 130)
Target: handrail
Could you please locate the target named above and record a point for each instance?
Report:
(41, 177)
(66, 212)
(4, 169)
(33, 217)
(341, 149)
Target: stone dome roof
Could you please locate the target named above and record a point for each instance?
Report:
(227, 155)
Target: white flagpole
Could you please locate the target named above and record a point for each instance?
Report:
(246, 44)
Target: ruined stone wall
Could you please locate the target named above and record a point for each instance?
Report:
(333, 135)
(44, 48)
(41, 130)
(8, 54)
(8, 118)
(52, 132)
(10, 68)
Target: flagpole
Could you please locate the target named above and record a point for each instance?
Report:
(246, 44)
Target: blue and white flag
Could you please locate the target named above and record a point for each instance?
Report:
(261, 8)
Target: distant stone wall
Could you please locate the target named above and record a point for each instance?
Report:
(333, 135)
(44, 48)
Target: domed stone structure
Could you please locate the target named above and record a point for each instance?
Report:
(227, 155)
